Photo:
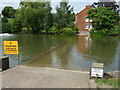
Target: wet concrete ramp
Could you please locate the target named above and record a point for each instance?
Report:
(83, 33)
(33, 77)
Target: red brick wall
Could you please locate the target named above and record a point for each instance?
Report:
(81, 18)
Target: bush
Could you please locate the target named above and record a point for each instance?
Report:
(26, 30)
(106, 32)
(53, 30)
(4, 20)
(43, 31)
(68, 31)
(6, 28)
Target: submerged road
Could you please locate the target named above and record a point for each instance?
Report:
(36, 77)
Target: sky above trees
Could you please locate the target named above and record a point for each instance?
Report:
(77, 4)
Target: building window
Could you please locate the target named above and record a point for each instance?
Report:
(87, 20)
(91, 26)
(86, 26)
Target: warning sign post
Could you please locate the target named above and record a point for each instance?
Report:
(11, 47)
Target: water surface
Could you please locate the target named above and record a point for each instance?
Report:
(66, 52)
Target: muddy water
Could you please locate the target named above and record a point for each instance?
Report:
(66, 52)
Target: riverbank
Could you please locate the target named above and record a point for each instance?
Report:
(33, 77)
(107, 83)
(110, 80)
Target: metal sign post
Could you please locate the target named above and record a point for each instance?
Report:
(11, 47)
(18, 60)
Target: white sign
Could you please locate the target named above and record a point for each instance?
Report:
(96, 72)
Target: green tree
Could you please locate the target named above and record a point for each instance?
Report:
(64, 17)
(107, 3)
(8, 12)
(37, 17)
(48, 20)
(6, 28)
(34, 15)
(4, 19)
(17, 26)
(104, 19)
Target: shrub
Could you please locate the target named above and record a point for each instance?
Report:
(53, 30)
(26, 30)
(43, 31)
(6, 28)
(68, 31)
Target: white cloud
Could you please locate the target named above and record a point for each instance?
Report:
(54, 0)
(9, 3)
(77, 4)
(9, 0)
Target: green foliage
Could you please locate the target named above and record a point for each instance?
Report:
(64, 17)
(8, 12)
(48, 20)
(26, 30)
(54, 30)
(6, 27)
(36, 17)
(69, 31)
(112, 81)
(10, 20)
(43, 31)
(104, 20)
(17, 25)
(4, 20)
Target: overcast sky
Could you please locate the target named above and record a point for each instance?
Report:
(78, 5)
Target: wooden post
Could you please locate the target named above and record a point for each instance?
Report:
(4, 63)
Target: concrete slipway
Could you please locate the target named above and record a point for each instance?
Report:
(36, 77)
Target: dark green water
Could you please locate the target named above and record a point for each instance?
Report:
(66, 52)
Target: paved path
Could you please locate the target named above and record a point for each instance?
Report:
(83, 33)
(35, 77)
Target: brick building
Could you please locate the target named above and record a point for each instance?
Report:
(83, 23)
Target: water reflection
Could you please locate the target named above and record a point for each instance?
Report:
(84, 45)
(67, 52)
(100, 49)
(105, 49)
(57, 57)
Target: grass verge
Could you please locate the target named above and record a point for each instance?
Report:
(114, 82)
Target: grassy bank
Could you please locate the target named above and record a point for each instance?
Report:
(111, 82)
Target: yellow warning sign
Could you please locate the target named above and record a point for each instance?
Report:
(11, 47)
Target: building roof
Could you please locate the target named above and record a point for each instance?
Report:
(87, 6)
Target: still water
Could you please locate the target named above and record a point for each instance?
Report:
(66, 52)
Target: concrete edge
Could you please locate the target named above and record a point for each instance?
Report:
(55, 69)
(92, 84)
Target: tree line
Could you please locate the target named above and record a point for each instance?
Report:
(36, 17)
